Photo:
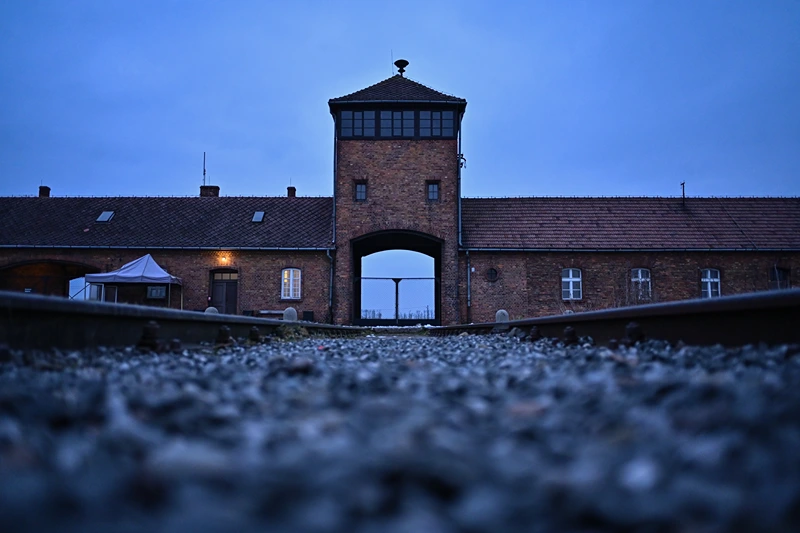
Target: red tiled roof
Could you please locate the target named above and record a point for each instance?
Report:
(397, 89)
(631, 223)
(152, 222)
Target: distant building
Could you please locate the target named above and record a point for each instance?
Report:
(397, 185)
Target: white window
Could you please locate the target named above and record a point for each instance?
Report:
(640, 285)
(571, 284)
(290, 284)
(96, 291)
(709, 283)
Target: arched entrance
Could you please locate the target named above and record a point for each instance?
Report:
(48, 277)
(396, 240)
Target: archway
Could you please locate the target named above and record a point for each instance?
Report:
(396, 240)
(48, 277)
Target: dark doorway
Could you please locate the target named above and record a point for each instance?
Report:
(396, 240)
(224, 289)
(43, 277)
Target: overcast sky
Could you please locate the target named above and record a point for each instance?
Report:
(586, 98)
(110, 97)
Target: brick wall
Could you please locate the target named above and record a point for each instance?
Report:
(396, 172)
(259, 283)
(529, 284)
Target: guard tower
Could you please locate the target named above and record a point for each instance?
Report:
(397, 184)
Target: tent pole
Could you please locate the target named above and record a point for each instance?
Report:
(181, 297)
(169, 296)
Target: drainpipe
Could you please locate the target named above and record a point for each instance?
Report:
(458, 179)
(469, 290)
(333, 236)
(330, 289)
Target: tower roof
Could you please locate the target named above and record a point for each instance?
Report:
(398, 88)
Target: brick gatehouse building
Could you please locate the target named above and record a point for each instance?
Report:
(397, 185)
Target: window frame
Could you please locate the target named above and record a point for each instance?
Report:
(398, 122)
(779, 278)
(567, 277)
(438, 189)
(156, 292)
(356, 185)
(437, 123)
(707, 282)
(106, 216)
(638, 282)
(357, 123)
(292, 283)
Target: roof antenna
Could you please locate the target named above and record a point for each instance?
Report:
(391, 54)
(683, 194)
(401, 65)
(204, 168)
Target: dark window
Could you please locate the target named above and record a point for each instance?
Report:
(358, 123)
(361, 191)
(436, 123)
(492, 274)
(157, 292)
(779, 278)
(397, 123)
(433, 191)
(226, 275)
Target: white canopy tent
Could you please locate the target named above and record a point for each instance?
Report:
(142, 270)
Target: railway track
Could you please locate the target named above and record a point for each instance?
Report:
(40, 322)
(764, 317)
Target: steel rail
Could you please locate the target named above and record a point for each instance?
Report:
(30, 321)
(771, 317)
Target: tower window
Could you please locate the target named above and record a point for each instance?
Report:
(397, 123)
(436, 123)
(361, 191)
(358, 124)
(433, 191)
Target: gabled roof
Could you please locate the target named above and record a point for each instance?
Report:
(167, 222)
(631, 223)
(397, 89)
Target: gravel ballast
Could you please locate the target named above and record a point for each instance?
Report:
(402, 434)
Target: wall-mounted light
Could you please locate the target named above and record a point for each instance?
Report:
(224, 259)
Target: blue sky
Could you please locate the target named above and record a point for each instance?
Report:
(122, 97)
(110, 97)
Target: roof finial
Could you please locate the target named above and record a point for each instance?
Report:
(401, 65)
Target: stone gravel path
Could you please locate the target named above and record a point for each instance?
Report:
(402, 434)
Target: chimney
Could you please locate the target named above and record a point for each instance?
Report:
(44, 191)
(209, 190)
(292, 191)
